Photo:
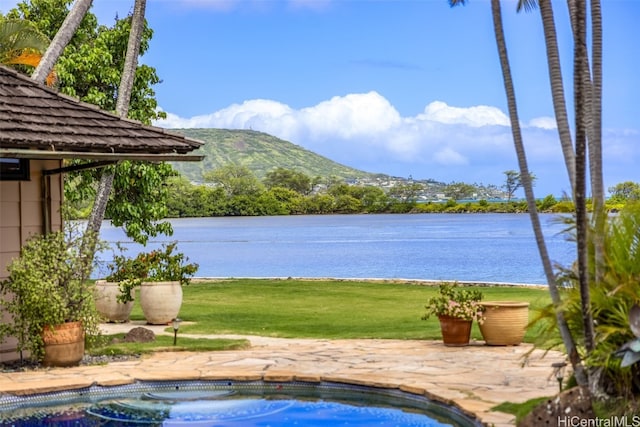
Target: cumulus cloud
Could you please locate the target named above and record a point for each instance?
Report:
(476, 116)
(446, 143)
(543, 122)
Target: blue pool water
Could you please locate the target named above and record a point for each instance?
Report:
(252, 404)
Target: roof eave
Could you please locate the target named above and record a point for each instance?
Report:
(61, 155)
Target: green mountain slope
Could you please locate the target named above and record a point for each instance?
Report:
(258, 151)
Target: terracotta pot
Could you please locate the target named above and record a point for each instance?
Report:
(160, 301)
(505, 322)
(63, 345)
(455, 331)
(107, 304)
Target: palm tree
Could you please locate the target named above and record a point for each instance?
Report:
(583, 123)
(61, 39)
(21, 43)
(122, 108)
(588, 107)
(557, 86)
(525, 176)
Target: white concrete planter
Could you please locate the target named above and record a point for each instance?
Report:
(160, 301)
(107, 304)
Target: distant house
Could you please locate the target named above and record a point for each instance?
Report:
(39, 128)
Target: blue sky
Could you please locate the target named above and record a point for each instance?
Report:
(403, 87)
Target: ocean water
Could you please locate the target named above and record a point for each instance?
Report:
(465, 247)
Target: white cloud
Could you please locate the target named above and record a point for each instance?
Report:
(446, 143)
(543, 122)
(476, 116)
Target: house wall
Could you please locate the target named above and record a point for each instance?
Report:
(21, 216)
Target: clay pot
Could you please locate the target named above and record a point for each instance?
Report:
(455, 331)
(505, 322)
(63, 344)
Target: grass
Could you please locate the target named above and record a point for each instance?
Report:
(332, 309)
(520, 410)
(106, 346)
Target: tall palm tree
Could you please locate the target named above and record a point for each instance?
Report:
(555, 79)
(583, 123)
(21, 43)
(122, 108)
(588, 106)
(525, 175)
(595, 140)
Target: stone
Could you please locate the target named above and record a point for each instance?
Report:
(564, 409)
(140, 334)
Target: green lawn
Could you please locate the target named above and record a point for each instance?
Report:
(323, 308)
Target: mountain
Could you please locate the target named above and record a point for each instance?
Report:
(260, 152)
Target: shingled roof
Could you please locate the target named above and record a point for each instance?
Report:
(39, 122)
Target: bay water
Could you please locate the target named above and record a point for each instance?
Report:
(463, 247)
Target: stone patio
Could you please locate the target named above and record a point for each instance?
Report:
(473, 378)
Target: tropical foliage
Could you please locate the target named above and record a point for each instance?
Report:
(47, 286)
(454, 301)
(612, 300)
(90, 68)
(159, 265)
(22, 44)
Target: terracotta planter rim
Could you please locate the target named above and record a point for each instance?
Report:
(504, 303)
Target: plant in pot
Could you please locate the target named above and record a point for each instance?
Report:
(160, 274)
(49, 300)
(115, 294)
(456, 309)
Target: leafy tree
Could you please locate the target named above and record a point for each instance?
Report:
(235, 180)
(406, 193)
(624, 191)
(513, 182)
(460, 190)
(90, 68)
(291, 179)
(91, 65)
(373, 199)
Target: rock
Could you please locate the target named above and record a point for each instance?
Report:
(140, 334)
(564, 409)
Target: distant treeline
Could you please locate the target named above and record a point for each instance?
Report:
(218, 199)
(235, 191)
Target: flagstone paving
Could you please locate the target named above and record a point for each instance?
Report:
(473, 378)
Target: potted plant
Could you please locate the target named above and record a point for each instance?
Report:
(115, 294)
(160, 274)
(456, 309)
(49, 299)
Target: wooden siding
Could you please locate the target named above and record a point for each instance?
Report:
(21, 216)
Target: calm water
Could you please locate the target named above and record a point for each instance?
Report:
(466, 247)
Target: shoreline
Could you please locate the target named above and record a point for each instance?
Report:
(421, 282)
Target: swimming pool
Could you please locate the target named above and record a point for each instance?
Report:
(229, 403)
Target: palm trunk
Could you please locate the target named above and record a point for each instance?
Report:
(557, 89)
(565, 333)
(61, 39)
(582, 88)
(122, 109)
(595, 141)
